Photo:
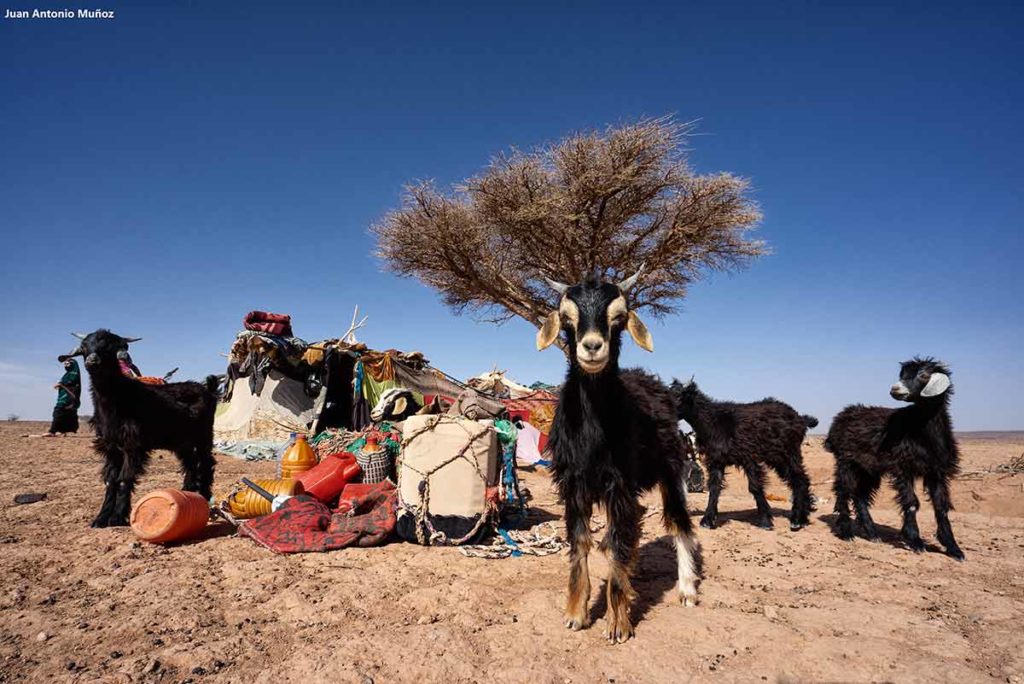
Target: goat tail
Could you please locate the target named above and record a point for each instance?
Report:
(810, 421)
(212, 383)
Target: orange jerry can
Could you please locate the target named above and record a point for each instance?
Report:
(298, 458)
(169, 515)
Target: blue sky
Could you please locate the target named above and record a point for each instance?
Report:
(165, 172)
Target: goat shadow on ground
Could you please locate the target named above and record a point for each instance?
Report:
(886, 535)
(534, 516)
(749, 515)
(656, 573)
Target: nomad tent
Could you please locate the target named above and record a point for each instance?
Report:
(279, 384)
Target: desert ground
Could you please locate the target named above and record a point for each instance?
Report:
(78, 604)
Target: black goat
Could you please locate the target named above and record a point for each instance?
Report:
(751, 436)
(908, 443)
(131, 418)
(614, 436)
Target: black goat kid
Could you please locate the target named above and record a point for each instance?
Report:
(912, 442)
(614, 436)
(131, 418)
(750, 436)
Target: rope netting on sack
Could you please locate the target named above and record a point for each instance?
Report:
(426, 533)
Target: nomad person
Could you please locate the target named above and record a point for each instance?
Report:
(69, 398)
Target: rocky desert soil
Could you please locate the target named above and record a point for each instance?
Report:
(84, 605)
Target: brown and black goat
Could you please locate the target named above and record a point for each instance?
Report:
(132, 418)
(615, 435)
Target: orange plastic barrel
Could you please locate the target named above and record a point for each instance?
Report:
(169, 515)
(246, 503)
(298, 458)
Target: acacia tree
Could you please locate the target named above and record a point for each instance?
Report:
(601, 202)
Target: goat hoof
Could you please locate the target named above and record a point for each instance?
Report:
(575, 624)
(797, 526)
(688, 597)
(765, 524)
(915, 545)
(708, 523)
(956, 554)
(619, 634)
(100, 523)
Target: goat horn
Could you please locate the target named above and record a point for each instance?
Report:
(131, 339)
(627, 284)
(78, 335)
(75, 352)
(558, 287)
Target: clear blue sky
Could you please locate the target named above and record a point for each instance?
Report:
(165, 172)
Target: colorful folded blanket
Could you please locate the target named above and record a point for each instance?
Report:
(365, 516)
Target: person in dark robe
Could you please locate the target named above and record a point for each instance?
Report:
(69, 398)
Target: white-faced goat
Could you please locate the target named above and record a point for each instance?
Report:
(614, 436)
(750, 436)
(912, 442)
(131, 418)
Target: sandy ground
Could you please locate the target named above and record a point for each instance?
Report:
(78, 604)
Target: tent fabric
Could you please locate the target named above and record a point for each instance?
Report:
(281, 408)
(278, 385)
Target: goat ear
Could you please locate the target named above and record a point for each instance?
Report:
(937, 384)
(400, 406)
(639, 332)
(548, 332)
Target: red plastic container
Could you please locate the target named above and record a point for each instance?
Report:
(169, 515)
(325, 480)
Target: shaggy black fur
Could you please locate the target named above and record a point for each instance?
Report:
(132, 418)
(614, 436)
(750, 436)
(905, 444)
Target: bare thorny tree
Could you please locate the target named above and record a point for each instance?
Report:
(600, 202)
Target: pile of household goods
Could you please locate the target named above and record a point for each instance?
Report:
(397, 449)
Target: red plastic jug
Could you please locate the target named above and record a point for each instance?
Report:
(325, 481)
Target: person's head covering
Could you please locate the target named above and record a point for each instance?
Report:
(72, 374)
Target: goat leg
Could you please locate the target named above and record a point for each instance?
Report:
(677, 522)
(938, 492)
(755, 485)
(845, 482)
(716, 477)
(122, 504)
(909, 504)
(795, 476)
(863, 495)
(106, 510)
(577, 524)
(623, 537)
